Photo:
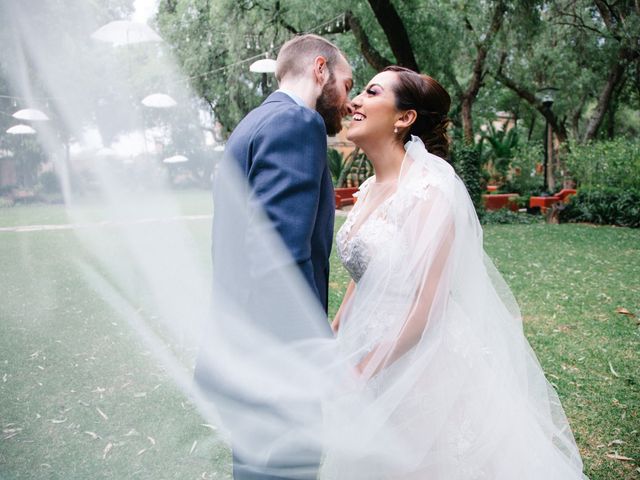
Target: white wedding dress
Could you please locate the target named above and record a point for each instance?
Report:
(452, 389)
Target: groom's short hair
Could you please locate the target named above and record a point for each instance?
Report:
(296, 54)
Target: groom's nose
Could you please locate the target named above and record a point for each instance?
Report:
(348, 109)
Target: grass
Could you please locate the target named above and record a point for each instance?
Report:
(568, 279)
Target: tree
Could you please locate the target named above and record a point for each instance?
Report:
(586, 48)
(382, 31)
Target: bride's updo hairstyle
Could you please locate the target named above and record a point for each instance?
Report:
(431, 101)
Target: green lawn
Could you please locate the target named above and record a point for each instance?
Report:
(113, 412)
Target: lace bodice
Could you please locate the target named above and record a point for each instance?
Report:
(356, 249)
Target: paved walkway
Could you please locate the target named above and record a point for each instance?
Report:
(106, 223)
(110, 223)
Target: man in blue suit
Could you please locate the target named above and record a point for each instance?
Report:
(280, 149)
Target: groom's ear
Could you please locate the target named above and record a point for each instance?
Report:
(406, 119)
(320, 70)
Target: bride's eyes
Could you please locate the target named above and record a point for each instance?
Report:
(371, 91)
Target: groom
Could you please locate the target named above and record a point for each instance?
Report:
(280, 148)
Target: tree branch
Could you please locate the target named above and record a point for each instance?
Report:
(557, 126)
(396, 33)
(279, 18)
(581, 25)
(616, 75)
(469, 95)
(371, 55)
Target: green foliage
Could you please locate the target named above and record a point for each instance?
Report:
(336, 165)
(614, 163)
(507, 217)
(502, 149)
(522, 177)
(50, 183)
(466, 160)
(604, 206)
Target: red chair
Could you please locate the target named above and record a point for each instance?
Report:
(547, 202)
(497, 201)
(344, 196)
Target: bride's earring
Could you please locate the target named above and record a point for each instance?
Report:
(395, 130)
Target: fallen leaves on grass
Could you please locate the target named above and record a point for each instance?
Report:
(613, 372)
(106, 450)
(193, 447)
(102, 414)
(58, 420)
(624, 311)
(622, 458)
(10, 432)
(93, 435)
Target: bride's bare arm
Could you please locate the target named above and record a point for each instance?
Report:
(345, 301)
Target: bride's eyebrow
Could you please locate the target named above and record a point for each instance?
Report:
(374, 85)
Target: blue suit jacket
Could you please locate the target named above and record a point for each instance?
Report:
(281, 150)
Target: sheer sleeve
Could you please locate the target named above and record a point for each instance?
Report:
(426, 230)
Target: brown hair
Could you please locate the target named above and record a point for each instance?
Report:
(296, 53)
(431, 102)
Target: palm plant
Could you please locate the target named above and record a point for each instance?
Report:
(503, 145)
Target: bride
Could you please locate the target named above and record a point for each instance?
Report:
(453, 389)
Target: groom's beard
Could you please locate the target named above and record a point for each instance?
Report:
(329, 107)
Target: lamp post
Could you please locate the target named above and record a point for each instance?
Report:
(547, 96)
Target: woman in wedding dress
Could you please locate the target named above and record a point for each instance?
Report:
(446, 386)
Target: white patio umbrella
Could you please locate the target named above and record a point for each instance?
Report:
(30, 114)
(158, 100)
(21, 129)
(266, 65)
(218, 148)
(176, 159)
(124, 32)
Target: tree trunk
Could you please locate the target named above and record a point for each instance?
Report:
(576, 116)
(396, 33)
(604, 100)
(467, 119)
(469, 96)
(371, 55)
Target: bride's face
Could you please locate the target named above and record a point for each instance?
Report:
(375, 111)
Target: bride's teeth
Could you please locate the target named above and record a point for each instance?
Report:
(358, 116)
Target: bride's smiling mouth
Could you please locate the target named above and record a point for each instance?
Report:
(358, 117)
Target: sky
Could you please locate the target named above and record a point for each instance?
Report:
(144, 10)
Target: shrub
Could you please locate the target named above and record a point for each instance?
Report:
(50, 182)
(506, 216)
(522, 177)
(609, 164)
(503, 145)
(336, 165)
(467, 162)
(605, 206)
